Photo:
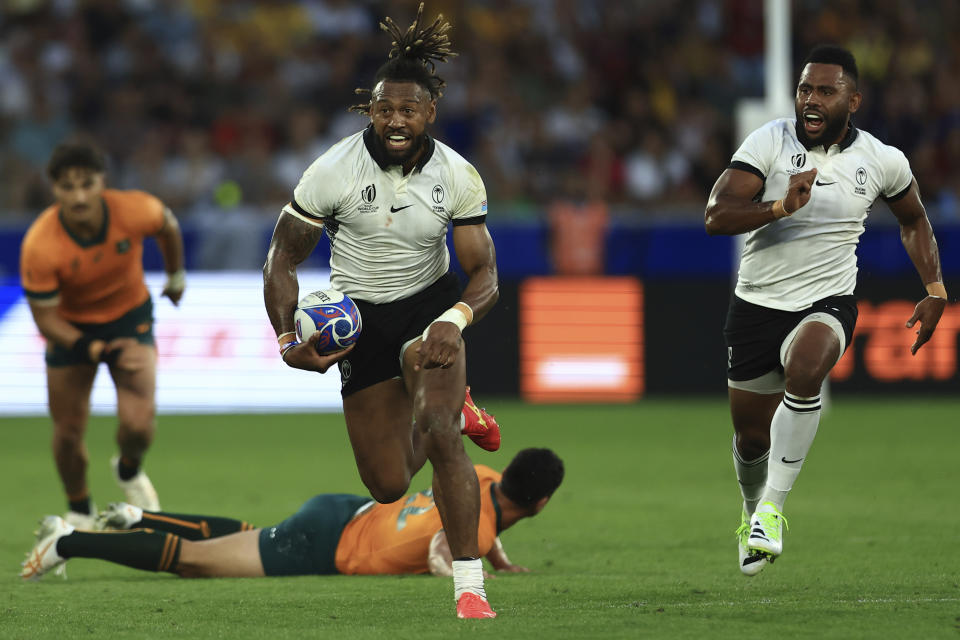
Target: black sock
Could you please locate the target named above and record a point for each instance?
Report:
(125, 470)
(84, 505)
(138, 548)
(191, 527)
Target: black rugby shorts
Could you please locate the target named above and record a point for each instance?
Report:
(386, 327)
(754, 333)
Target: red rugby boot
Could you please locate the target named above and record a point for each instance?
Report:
(470, 605)
(480, 426)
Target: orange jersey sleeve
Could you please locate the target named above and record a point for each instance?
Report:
(395, 538)
(98, 280)
(38, 264)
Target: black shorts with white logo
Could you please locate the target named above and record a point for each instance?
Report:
(754, 333)
(386, 327)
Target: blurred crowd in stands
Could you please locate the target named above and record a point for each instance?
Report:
(218, 105)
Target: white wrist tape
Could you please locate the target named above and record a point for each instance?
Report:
(176, 281)
(453, 315)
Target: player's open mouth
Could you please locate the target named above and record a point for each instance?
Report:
(813, 122)
(397, 142)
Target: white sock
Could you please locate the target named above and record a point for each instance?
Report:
(792, 431)
(468, 576)
(752, 477)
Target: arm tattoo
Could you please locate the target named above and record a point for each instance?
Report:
(295, 239)
(292, 242)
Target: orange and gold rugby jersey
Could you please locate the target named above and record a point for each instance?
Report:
(97, 280)
(395, 538)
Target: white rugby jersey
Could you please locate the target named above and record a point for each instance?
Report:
(387, 230)
(792, 262)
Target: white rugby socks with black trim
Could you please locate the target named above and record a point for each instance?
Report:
(752, 476)
(792, 430)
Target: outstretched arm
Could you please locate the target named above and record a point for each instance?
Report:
(921, 245)
(498, 558)
(440, 560)
(292, 242)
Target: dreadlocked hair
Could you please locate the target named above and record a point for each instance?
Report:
(413, 57)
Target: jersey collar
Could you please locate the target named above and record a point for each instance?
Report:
(97, 239)
(852, 133)
(382, 161)
(848, 139)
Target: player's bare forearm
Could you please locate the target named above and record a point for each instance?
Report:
(52, 325)
(170, 241)
(56, 329)
(478, 258)
(498, 557)
(917, 237)
(292, 242)
(921, 245)
(732, 209)
(729, 216)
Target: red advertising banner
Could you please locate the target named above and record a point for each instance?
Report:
(881, 345)
(581, 339)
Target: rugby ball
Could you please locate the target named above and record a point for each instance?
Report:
(331, 313)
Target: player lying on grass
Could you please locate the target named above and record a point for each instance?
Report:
(330, 533)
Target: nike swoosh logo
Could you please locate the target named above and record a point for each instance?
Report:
(395, 209)
(784, 459)
(825, 184)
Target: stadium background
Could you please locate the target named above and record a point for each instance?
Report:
(598, 129)
(629, 106)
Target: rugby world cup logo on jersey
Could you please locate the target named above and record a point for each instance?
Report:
(798, 160)
(368, 194)
(861, 177)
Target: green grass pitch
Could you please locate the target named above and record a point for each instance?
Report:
(638, 542)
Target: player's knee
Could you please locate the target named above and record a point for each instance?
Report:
(133, 436)
(437, 423)
(753, 442)
(805, 370)
(136, 430)
(68, 437)
(805, 379)
(385, 494)
(385, 486)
